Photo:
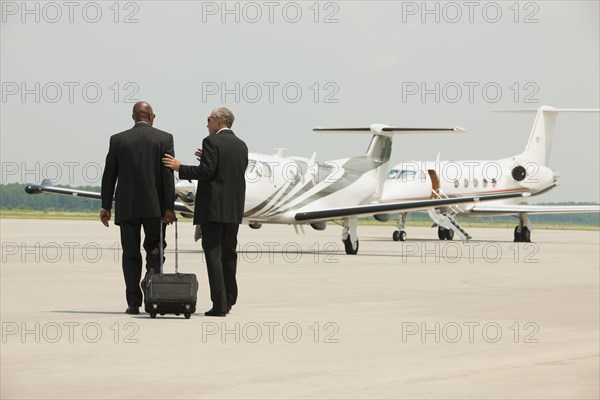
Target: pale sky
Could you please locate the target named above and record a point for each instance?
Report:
(70, 73)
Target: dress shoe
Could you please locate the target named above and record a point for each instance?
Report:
(213, 313)
(132, 310)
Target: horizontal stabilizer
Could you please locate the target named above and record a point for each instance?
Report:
(382, 129)
(454, 129)
(548, 109)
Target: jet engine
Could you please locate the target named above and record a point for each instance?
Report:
(319, 226)
(382, 217)
(519, 173)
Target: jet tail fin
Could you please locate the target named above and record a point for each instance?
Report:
(540, 140)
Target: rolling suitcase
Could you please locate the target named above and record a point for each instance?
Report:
(170, 293)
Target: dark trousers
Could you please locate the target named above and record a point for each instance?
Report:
(219, 241)
(132, 258)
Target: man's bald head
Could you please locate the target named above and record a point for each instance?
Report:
(142, 112)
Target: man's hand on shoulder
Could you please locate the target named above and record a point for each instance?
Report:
(171, 162)
(105, 216)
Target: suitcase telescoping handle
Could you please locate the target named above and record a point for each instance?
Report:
(162, 250)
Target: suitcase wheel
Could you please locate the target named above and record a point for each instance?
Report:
(187, 315)
(152, 315)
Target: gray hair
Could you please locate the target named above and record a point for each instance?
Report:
(225, 115)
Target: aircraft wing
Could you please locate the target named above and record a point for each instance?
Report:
(46, 186)
(404, 206)
(533, 209)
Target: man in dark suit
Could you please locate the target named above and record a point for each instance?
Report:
(145, 193)
(219, 208)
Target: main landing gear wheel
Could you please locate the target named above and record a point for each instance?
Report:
(399, 236)
(152, 315)
(187, 315)
(445, 234)
(351, 248)
(522, 234)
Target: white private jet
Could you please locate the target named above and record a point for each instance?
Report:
(525, 172)
(299, 191)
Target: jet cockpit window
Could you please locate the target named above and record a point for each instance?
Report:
(393, 174)
(264, 169)
(325, 171)
(250, 167)
(260, 168)
(403, 175)
(407, 176)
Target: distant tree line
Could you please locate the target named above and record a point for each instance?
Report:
(13, 197)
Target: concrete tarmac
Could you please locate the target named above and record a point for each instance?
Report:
(423, 319)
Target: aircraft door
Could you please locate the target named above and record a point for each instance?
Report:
(435, 183)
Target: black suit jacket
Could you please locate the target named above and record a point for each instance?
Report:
(145, 187)
(221, 190)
